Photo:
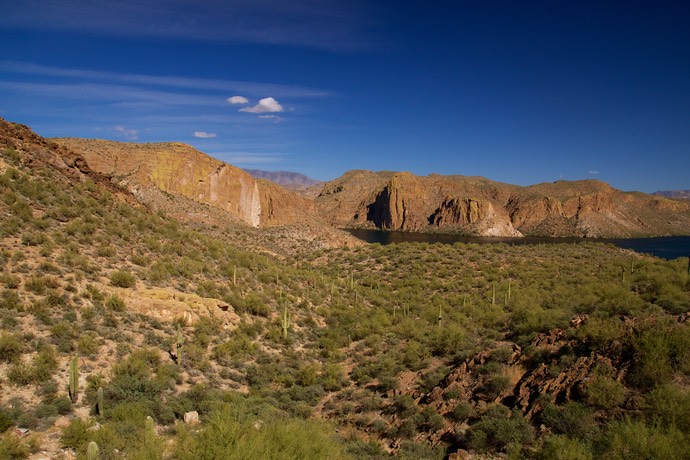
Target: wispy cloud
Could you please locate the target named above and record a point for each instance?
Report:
(109, 92)
(265, 105)
(129, 134)
(594, 171)
(254, 88)
(274, 118)
(147, 108)
(330, 24)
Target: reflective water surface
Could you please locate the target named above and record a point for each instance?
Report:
(667, 247)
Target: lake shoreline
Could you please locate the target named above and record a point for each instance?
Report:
(666, 247)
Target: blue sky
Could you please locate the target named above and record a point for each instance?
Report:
(519, 92)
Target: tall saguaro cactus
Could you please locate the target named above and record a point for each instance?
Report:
(74, 379)
(150, 433)
(99, 402)
(177, 345)
(285, 321)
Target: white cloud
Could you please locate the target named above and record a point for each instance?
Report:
(204, 134)
(265, 105)
(237, 100)
(594, 172)
(129, 134)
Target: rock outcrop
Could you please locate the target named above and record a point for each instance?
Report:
(474, 205)
(35, 152)
(178, 169)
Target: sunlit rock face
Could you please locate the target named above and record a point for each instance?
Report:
(179, 169)
(478, 206)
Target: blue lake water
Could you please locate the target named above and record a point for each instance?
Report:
(666, 247)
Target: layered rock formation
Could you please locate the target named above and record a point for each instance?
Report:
(180, 170)
(474, 205)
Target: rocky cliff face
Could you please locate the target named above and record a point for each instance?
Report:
(472, 205)
(178, 169)
(403, 201)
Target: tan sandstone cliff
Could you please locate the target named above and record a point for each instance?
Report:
(474, 205)
(178, 169)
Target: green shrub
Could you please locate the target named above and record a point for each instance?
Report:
(632, 440)
(229, 433)
(669, 405)
(429, 420)
(123, 279)
(11, 347)
(12, 447)
(115, 303)
(5, 420)
(604, 392)
(41, 369)
(75, 435)
(499, 429)
(461, 412)
(572, 419)
(404, 406)
(560, 447)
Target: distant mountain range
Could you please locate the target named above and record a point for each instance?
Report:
(290, 180)
(675, 194)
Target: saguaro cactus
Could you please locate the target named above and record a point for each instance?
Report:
(99, 402)
(74, 379)
(150, 432)
(177, 345)
(285, 321)
(92, 451)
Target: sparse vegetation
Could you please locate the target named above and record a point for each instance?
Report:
(337, 353)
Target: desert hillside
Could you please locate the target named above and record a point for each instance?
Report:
(125, 330)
